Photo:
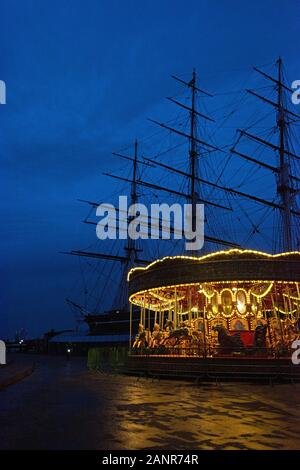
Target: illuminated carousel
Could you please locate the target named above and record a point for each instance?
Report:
(236, 308)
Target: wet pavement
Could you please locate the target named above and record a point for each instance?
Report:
(62, 405)
(15, 370)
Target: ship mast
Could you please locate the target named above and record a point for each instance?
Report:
(192, 194)
(283, 186)
(285, 179)
(130, 257)
(131, 245)
(121, 300)
(193, 152)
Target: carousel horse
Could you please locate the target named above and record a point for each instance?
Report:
(175, 337)
(198, 337)
(227, 342)
(291, 333)
(285, 339)
(278, 340)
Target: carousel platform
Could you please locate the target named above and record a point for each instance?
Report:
(266, 370)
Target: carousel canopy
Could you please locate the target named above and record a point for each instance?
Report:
(230, 265)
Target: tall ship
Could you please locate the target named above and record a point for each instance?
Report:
(236, 298)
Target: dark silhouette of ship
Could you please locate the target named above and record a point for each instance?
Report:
(210, 189)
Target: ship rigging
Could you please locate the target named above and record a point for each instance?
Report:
(200, 187)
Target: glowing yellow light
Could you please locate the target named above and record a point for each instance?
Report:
(134, 298)
(211, 255)
(264, 293)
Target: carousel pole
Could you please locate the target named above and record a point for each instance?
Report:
(278, 317)
(276, 312)
(266, 318)
(144, 312)
(269, 332)
(289, 314)
(248, 322)
(280, 326)
(159, 317)
(175, 310)
(190, 306)
(298, 289)
(204, 331)
(290, 302)
(130, 327)
(141, 314)
(208, 327)
(286, 315)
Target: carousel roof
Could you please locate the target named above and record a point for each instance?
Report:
(229, 265)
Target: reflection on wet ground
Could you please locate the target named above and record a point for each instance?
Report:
(64, 406)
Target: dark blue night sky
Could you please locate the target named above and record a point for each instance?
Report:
(82, 77)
